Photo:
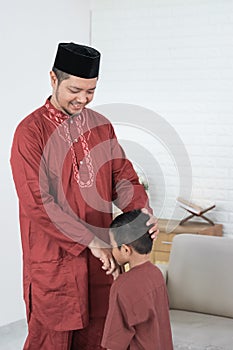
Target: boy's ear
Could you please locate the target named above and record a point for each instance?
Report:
(126, 249)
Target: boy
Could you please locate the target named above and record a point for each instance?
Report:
(138, 315)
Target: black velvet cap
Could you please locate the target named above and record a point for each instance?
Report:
(79, 60)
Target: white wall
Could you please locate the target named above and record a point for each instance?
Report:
(174, 57)
(30, 32)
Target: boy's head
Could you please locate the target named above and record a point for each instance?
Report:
(129, 232)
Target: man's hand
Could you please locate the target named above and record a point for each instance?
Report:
(102, 251)
(116, 272)
(154, 230)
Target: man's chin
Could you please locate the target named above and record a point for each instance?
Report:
(73, 113)
(77, 113)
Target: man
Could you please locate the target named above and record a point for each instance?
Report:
(68, 168)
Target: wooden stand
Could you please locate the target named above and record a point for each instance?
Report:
(199, 215)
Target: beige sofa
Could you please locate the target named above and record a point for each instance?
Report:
(200, 287)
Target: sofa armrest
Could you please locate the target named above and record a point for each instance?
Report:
(199, 274)
(164, 269)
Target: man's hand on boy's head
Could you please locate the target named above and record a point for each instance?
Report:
(154, 230)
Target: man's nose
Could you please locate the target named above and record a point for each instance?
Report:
(82, 97)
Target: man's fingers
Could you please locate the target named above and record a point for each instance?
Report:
(116, 273)
(154, 230)
(112, 266)
(145, 211)
(154, 235)
(106, 263)
(109, 265)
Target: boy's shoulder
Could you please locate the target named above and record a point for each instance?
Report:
(141, 278)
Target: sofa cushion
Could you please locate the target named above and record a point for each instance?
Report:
(196, 331)
(200, 275)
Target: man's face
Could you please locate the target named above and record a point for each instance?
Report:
(72, 94)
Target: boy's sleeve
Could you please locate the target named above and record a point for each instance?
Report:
(117, 332)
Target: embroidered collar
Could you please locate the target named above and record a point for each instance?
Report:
(58, 117)
(60, 120)
(54, 114)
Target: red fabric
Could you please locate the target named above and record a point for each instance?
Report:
(40, 338)
(138, 316)
(88, 338)
(66, 174)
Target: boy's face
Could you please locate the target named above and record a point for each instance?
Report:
(120, 254)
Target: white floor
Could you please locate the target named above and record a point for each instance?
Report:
(12, 336)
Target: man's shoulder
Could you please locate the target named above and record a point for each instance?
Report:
(31, 118)
(32, 123)
(98, 117)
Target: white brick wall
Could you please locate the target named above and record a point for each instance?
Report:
(30, 32)
(176, 58)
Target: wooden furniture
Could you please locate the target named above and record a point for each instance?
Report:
(195, 210)
(162, 246)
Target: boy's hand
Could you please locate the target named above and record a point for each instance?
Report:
(154, 230)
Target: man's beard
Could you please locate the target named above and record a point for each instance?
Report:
(66, 110)
(71, 114)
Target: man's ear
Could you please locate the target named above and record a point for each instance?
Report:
(126, 249)
(53, 79)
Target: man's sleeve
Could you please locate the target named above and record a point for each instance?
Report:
(30, 177)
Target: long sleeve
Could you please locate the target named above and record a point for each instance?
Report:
(32, 185)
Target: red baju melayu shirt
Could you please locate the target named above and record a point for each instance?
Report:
(138, 316)
(67, 171)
